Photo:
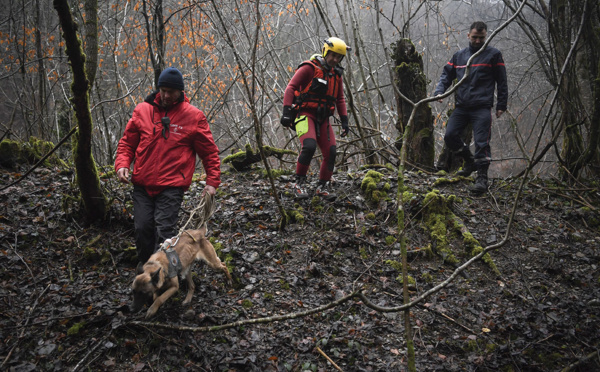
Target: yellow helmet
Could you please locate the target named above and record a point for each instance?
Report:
(334, 44)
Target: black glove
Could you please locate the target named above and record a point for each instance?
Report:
(287, 119)
(345, 127)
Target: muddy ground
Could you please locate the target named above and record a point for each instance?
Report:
(65, 286)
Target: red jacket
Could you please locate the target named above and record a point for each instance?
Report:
(170, 162)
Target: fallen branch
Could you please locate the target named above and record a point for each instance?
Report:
(248, 321)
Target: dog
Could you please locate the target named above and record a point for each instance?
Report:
(157, 281)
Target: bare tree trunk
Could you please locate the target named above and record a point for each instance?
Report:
(94, 202)
(155, 34)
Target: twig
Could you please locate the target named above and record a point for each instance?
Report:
(328, 359)
(26, 322)
(571, 367)
(93, 349)
(22, 260)
(448, 318)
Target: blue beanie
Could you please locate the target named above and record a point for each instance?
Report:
(171, 78)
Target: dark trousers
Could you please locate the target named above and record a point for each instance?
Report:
(481, 118)
(155, 218)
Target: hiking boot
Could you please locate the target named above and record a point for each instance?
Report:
(299, 188)
(481, 182)
(324, 191)
(469, 162)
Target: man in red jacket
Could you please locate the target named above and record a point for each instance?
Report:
(162, 139)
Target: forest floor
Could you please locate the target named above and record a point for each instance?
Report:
(65, 287)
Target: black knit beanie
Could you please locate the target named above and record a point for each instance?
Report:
(171, 78)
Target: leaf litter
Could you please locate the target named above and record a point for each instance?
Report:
(65, 286)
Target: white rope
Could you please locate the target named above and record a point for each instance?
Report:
(205, 210)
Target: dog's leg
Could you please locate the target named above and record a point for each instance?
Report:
(158, 301)
(190, 284)
(207, 252)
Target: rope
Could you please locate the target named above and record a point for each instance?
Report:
(205, 210)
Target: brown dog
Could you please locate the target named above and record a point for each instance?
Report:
(156, 282)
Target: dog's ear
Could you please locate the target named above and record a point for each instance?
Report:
(156, 277)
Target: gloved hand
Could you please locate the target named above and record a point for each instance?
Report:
(287, 119)
(345, 127)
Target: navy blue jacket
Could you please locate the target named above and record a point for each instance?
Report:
(487, 71)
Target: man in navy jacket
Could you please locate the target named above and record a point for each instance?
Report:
(474, 101)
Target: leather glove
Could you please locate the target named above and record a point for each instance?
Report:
(345, 127)
(287, 119)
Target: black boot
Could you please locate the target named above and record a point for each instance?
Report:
(469, 162)
(481, 182)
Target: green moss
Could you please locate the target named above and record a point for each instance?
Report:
(445, 181)
(218, 245)
(363, 253)
(106, 257)
(427, 277)
(411, 280)
(407, 196)
(32, 151)
(389, 240)
(427, 251)
(91, 253)
(436, 208)
(370, 216)
(275, 172)
(369, 186)
(243, 159)
(246, 303)
(395, 264)
(294, 215)
(471, 346)
(75, 328)
(268, 296)
(285, 285)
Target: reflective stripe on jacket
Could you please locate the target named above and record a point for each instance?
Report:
(487, 72)
(167, 162)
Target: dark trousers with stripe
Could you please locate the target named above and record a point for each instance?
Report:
(481, 119)
(155, 218)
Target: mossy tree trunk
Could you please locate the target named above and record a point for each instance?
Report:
(91, 40)
(412, 83)
(94, 201)
(573, 62)
(579, 109)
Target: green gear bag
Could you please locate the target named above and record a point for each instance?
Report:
(301, 125)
